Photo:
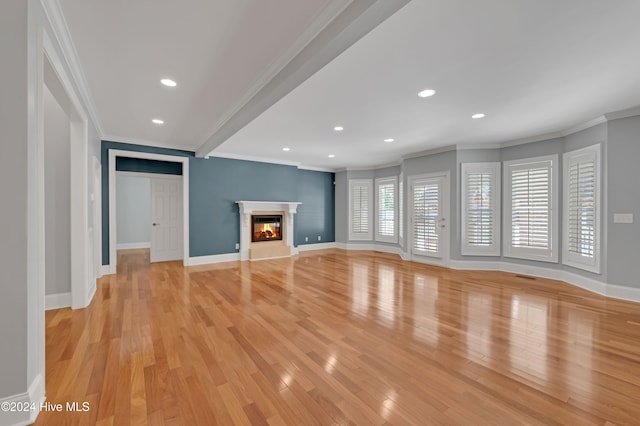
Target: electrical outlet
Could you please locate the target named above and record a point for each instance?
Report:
(623, 218)
(237, 246)
(306, 239)
(319, 238)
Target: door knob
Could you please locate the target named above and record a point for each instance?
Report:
(155, 224)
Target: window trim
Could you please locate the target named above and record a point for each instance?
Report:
(551, 254)
(379, 182)
(495, 248)
(592, 152)
(361, 236)
(401, 210)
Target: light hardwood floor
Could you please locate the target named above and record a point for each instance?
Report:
(335, 337)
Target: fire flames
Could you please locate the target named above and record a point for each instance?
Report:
(266, 232)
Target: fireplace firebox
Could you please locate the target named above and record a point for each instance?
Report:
(266, 227)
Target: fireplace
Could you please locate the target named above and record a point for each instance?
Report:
(266, 228)
(250, 249)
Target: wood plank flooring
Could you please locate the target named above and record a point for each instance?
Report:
(335, 337)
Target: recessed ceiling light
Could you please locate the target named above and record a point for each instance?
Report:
(479, 115)
(168, 82)
(338, 128)
(426, 93)
(332, 156)
(286, 149)
(157, 121)
(389, 140)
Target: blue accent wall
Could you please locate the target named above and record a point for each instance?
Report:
(316, 215)
(215, 184)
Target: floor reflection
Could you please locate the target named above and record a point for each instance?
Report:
(386, 297)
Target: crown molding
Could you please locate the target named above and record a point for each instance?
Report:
(269, 161)
(317, 169)
(432, 151)
(61, 33)
(584, 126)
(465, 147)
(625, 113)
(537, 138)
(143, 142)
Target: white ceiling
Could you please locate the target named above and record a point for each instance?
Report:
(533, 67)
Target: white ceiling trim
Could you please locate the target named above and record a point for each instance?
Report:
(585, 125)
(625, 113)
(56, 19)
(143, 142)
(537, 138)
(429, 152)
(252, 158)
(330, 12)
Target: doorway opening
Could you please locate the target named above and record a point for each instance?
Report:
(169, 209)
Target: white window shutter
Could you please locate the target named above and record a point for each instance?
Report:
(480, 209)
(360, 209)
(530, 209)
(582, 209)
(386, 209)
(425, 216)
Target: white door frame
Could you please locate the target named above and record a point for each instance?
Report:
(82, 281)
(97, 217)
(115, 153)
(446, 212)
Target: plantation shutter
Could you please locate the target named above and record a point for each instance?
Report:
(581, 211)
(426, 210)
(480, 218)
(360, 202)
(581, 248)
(386, 209)
(401, 210)
(531, 207)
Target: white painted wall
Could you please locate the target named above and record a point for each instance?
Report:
(133, 203)
(57, 197)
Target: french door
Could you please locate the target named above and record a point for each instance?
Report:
(430, 217)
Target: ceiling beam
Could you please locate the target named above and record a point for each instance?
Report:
(351, 24)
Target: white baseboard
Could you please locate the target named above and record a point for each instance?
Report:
(34, 397)
(371, 247)
(129, 246)
(92, 292)
(216, 258)
(57, 301)
(625, 293)
(317, 246)
(590, 284)
(469, 265)
(586, 283)
(108, 270)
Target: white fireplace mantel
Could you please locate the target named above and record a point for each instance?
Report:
(247, 208)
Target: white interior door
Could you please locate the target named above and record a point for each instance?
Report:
(429, 218)
(166, 219)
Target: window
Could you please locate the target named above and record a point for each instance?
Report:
(480, 209)
(360, 209)
(581, 225)
(386, 202)
(426, 216)
(401, 211)
(530, 209)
